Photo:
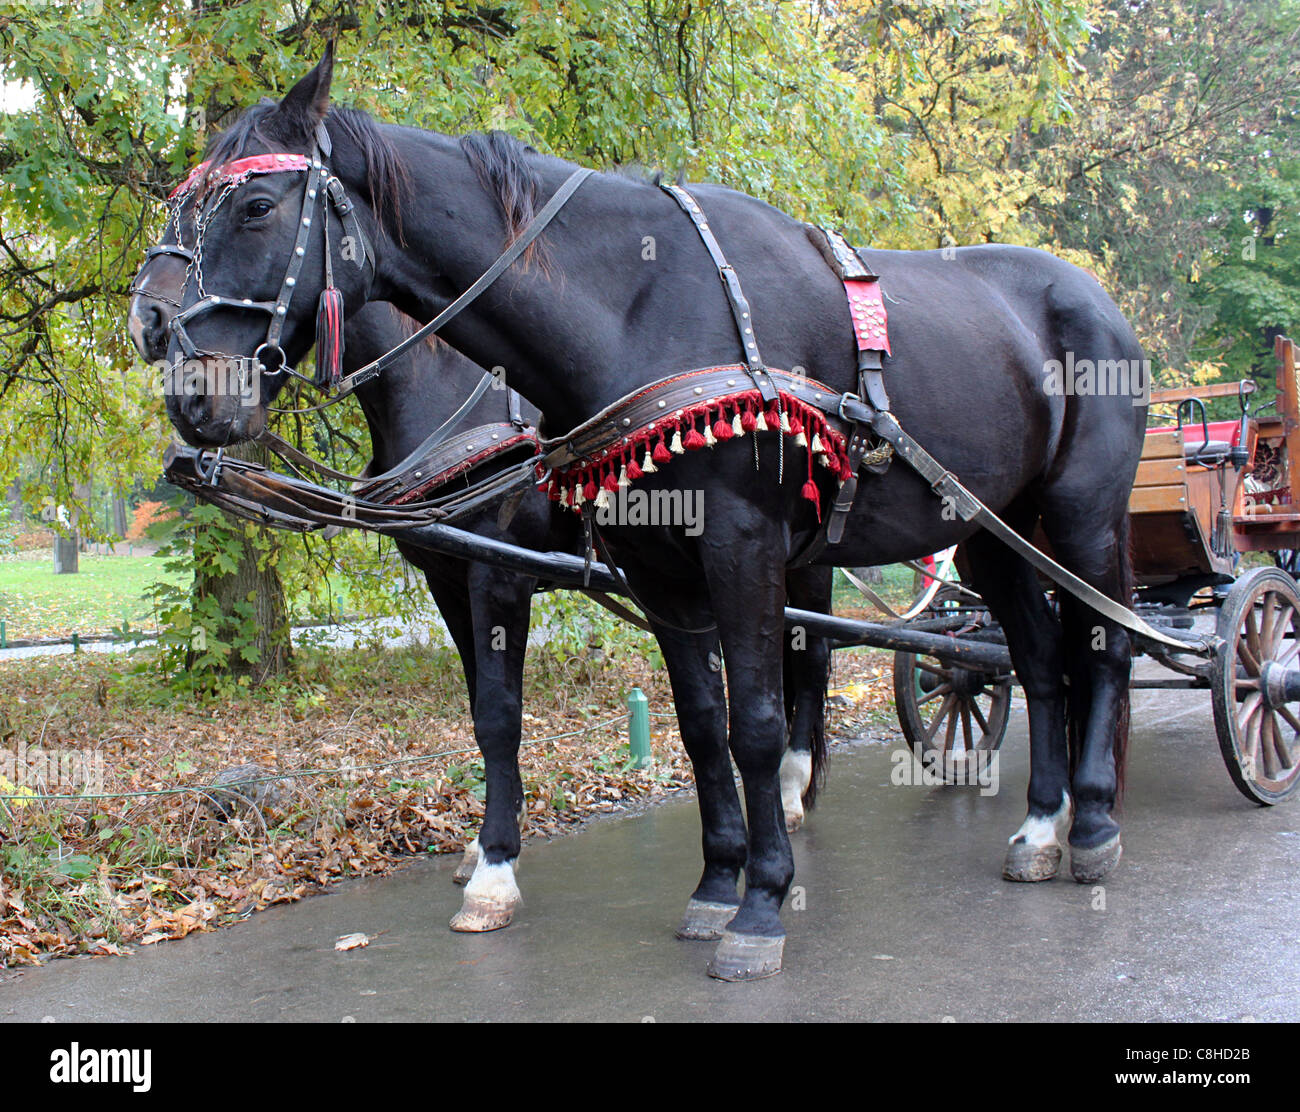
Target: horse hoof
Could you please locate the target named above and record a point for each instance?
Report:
(477, 916)
(746, 957)
(705, 921)
(793, 821)
(1089, 865)
(1027, 864)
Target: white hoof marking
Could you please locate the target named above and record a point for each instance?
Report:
(1044, 831)
(796, 775)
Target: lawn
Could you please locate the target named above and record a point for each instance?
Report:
(107, 590)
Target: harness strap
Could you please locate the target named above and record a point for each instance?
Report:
(535, 228)
(969, 508)
(739, 304)
(440, 433)
(870, 333)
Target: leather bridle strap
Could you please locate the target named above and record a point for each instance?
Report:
(440, 433)
(535, 228)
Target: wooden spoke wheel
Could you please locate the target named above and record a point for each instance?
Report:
(948, 713)
(1255, 685)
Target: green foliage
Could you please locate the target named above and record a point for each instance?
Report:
(581, 637)
(1125, 136)
(199, 639)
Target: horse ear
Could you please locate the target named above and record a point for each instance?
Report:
(307, 102)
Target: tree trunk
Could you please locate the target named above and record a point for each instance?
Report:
(65, 555)
(260, 587)
(120, 524)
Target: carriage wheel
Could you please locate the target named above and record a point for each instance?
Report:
(1255, 685)
(948, 712)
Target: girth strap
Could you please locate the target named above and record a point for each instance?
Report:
(731, 284)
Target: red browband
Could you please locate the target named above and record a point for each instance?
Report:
(241, 169)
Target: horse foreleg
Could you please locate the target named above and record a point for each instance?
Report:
(500, 603)
(694, 669)
(806, 666)
(447, 583)
(746, 583)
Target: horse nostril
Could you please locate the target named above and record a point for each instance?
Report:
(194, 408)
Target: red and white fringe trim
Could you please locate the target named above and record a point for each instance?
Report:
(598, 478)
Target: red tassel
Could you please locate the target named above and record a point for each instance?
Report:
(693, 440)
(748, 420)
(611, 482)
(634, 471)
(722, 429)
(661, 454)
(773, 417)
(589, 491)
(811, 492)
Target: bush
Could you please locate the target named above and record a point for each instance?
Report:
(148, 514)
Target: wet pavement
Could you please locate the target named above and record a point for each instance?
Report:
(905, 917)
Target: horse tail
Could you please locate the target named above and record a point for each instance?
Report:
(817, 744)
(1126, 588)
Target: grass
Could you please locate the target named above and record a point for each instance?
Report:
(107, 590)
(898, 589)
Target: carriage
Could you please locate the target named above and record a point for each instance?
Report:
(1206, 493)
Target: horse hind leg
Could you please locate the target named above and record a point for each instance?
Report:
(1010, 587)
(806, 666)
(1098, 661)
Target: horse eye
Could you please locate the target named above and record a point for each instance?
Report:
(258, 208)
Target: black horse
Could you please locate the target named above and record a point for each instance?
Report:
(486, 609)
(620, 294)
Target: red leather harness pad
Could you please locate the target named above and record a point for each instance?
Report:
(867, 307)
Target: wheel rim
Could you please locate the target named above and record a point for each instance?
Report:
(1267, 734)
(954, 712)
(1259, 735)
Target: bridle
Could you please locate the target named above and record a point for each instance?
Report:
(228, 177)
(269, 357)
(204, 179)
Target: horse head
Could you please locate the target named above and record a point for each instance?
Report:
(281, 253)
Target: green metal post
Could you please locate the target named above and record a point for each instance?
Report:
(76, 643)
(638, 727)
(4, 640)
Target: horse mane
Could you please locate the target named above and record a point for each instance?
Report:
(387, 178)
(500, 162)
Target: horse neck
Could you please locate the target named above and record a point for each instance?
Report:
(413, 396)
(561, 329)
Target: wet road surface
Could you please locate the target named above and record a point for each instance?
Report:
(905, 917)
